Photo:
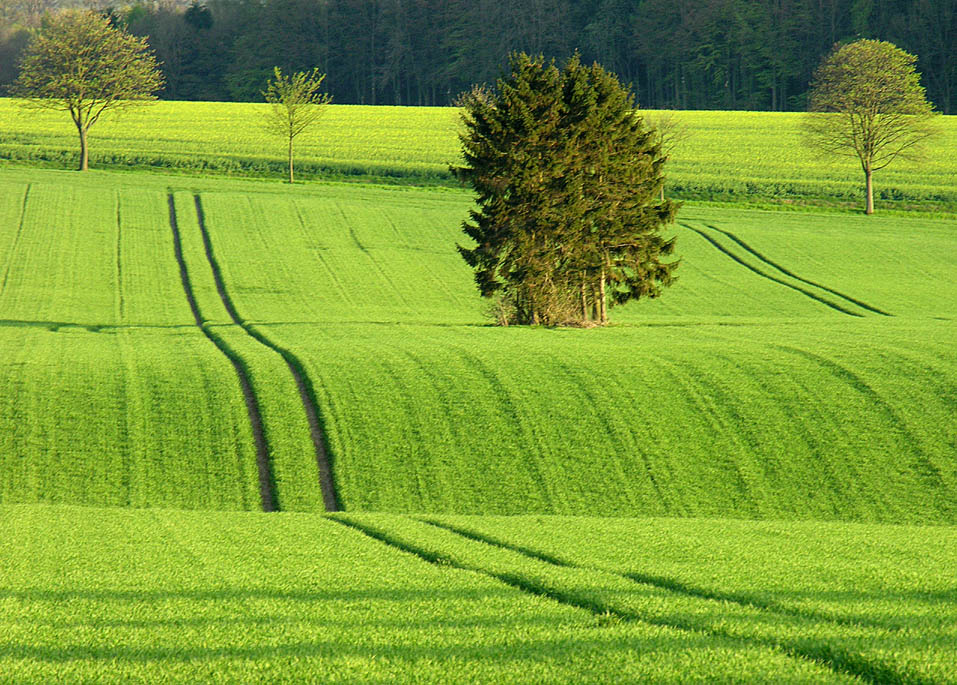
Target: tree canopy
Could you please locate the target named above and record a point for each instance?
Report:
(568, 182)
(80, 63)
(866, 101)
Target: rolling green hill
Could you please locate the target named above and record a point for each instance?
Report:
(802, 367)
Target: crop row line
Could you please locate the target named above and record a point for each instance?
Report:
(307, 393)
(267, 489)
(836, 659)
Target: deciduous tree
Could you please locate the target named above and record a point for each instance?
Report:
(295, 105)
(79, 63)
(867, 102)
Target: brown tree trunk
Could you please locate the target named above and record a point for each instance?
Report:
(869, 206)
(290, 160)
(84, 151)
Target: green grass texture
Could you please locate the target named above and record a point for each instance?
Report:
(801, 368)
(740, 157)
(161, 595)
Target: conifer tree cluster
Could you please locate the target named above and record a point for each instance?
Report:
(568, 180)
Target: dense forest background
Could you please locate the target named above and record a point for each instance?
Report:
(682, 54)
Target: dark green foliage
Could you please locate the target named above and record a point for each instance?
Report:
(568, 183)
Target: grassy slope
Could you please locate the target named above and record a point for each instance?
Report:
(747, 393)
(821, 591)
(112, 395)
(131, 595)
(736, 156)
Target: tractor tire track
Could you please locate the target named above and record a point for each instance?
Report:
(267, 488)
(307, 393)
(837, 660)
(787, 272)
(763, 274)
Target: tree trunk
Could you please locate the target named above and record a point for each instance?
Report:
(869, 207)
(84, 151)
(290, 160)
(602, 305)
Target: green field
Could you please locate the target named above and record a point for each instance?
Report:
(97, 594)
(753, 478)
(802, 368)
(741, 157)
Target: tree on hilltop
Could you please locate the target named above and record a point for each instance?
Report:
(866, 101)
(568, 180)
(80, 63)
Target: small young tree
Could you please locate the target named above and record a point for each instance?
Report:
(79, 63)
(295, 105)
(866, 101)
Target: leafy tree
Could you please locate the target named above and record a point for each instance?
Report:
(296, 104)
(79, 63)
(866, 101)
(568, 183)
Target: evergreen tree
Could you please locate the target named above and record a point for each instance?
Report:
(568, 183)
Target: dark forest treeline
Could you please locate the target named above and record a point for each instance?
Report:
(684, 54)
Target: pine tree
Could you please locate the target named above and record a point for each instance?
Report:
(568, 183)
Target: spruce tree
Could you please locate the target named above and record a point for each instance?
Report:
(568, 183)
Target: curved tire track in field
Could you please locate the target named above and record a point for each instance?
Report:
(787, 272)
(837, 660)
(267, 488)
(307, 393)
(763, 274)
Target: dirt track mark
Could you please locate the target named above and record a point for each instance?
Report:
(836, 660)
(307, 392)
(787, 272)
(266, 484)
(721, 248)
